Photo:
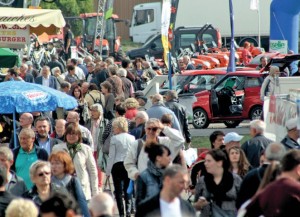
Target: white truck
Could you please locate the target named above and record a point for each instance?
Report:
(146, 19)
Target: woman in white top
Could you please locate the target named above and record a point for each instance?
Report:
(119, 145)
(268, 86)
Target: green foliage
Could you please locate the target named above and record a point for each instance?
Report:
(71, 8)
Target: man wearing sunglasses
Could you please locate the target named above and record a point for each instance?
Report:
(136, 159)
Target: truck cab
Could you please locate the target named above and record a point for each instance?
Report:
(183, 38)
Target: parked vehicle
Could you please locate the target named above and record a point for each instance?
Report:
(146, 19)
(233, 99)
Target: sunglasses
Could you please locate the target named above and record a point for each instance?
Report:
(154, 129)
(44, 173)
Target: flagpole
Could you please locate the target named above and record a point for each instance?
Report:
(231, 65)
(258, 11)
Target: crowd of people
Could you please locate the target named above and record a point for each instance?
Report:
(60, 160)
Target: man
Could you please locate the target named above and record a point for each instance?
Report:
(82, 66)
(101, 72)
(290, 141)
(149, 73)
(140, 120)
(73, 117)
(55, 63)
(274, 153)
(126, 64)
(26, 120)
(263, 62)
(180, 112)
(15, 184)
(27, 154)
(87, 60)
(187, 61)
(68, 38)
(5, 197)
(115, 81)
(158, 109)
(91, 72)
(136, 158)
(232, 139)
(282, 196)
(46, 79)
(142, 100)
(257, 144)
(127, 85)
(24, 75)
(12, 75)
(43, 140)
(65, 87)
(32, 70)
(102, 205)
(60, 128)
(168, 202)
(59, 205)
(85, 88)
(78, 71)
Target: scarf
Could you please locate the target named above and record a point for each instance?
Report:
(156, 172)
(61, 182)
(73, 149)
(218, 192)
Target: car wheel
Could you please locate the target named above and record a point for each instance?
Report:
(231, 124)
(256, 113)
(200, 119)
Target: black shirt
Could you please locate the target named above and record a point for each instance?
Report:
(5, 199)
(68, 35)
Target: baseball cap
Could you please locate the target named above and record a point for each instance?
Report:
(232, 136)
(142, 97)
(291, 124)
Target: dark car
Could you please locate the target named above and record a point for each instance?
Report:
(235, 98)
(183, 38)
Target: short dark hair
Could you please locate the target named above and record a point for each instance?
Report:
(214, 136)
(70, 67)
(125, 63)
(93, 86)
(290, 160)
(154, 150)
(74, 61)
(166, 119)
(68, 25)
(173, 170)
(11, 71)
(43, 118)
(120, 109)
(59, 204)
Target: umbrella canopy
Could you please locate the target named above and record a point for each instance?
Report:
(39, 20)
(22, 97)
(8, 58)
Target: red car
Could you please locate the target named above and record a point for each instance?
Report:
(236, 97)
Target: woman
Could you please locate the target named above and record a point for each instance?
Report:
(106, 89)
(246, 55)
(238, 161)
(138, 72)
(149, 183)
(217, 190)
(119, 144)
(269, 84)
(82, 158)
(71, 77)
(82, 108)
(131, 106)
(40, 175)
(59, 76)
(62, 169)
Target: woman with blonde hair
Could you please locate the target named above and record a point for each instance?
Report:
(238, 161)
(119, 145)
(269, 84)
(131, 105)
(21, 207)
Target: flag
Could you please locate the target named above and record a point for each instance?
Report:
(165, 23)
(231, 65)
(254, 5)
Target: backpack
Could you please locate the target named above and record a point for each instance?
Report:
(98, 100)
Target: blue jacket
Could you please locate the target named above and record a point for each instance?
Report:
(52, 81)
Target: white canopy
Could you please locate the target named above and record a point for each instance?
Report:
(39, 20)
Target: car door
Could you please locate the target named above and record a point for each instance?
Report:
(252, 94)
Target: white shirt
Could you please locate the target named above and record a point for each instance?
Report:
(79, 73)
(170, 209)
(46, 81)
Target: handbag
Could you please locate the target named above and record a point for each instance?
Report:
(107, 187)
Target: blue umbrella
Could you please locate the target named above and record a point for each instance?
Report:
(19, 96)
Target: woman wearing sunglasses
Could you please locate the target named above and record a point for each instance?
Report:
(40, 175)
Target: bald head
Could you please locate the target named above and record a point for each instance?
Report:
(275, 151)
(157, 98)
(101, 204)
(73, 117)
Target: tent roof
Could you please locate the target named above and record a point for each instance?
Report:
(39, 20)
(8, 58)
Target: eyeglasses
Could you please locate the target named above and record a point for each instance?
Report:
(154, 129)
(44, 174)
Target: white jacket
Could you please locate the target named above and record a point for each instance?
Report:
(85, 167)
(173, 140)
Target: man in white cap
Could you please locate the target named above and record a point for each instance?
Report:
(232, 139)
(290, 141)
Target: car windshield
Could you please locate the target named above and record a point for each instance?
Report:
(177, 82)
(234, 82)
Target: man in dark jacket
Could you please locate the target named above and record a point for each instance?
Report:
(140, 119)
(127, 85)
(257, 144)
(168, 201)
(27, 154)
(5, 197)
(15, 184)
(290, 141)
(180, 112)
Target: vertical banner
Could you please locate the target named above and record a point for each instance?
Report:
(165, 23)
(231, 66)
(174, 6)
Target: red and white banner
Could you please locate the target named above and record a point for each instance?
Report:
(14, 37)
